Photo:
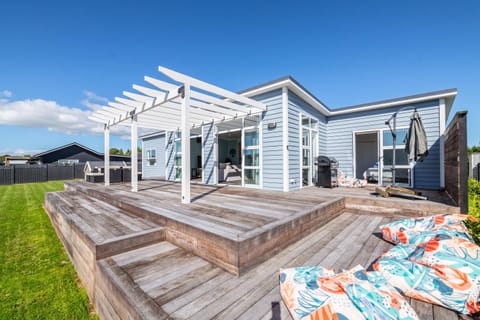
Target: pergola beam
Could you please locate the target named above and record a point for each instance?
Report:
(179, 77)
(173, 107)
(193, 103)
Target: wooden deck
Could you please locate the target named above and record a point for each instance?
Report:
(152, 257)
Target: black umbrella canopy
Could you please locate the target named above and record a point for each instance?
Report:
(416, 141)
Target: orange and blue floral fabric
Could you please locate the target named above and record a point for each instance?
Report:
(443, 271)
(349, 181)
(422, 229)
(321, 294)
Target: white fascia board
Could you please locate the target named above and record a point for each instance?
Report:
(153, 134)
(395, 103)
(292, 86)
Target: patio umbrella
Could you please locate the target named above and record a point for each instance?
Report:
(416, 140)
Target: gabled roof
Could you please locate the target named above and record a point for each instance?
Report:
(74, 144)
(67, 146)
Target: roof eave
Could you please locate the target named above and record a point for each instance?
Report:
(293, 86)
(449, 96)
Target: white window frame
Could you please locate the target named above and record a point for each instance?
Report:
(259, 147)
(177, 137)
(312, 131)
(399, 145)
(148, 157)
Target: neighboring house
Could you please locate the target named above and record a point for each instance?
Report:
(277, 149)
(73, 153)
(474, 165)
(14, 160)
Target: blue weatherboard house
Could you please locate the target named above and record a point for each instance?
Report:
(277, 148)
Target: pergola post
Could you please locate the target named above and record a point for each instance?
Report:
(185, 127)
(134, 154)
(106, 155)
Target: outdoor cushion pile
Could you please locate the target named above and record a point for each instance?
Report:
(434, 260)
(349, 181)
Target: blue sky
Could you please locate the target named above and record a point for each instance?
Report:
(59, 59)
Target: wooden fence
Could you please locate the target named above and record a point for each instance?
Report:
(39, 173)
(456, 162)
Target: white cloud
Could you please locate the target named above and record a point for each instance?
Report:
(19, 152)
(39, 113)
(6, 94)
(92, 101)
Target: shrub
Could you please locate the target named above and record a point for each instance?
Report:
(473, 223)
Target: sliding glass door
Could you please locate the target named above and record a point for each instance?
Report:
(309, 150)
(403, 168)
(251, 157)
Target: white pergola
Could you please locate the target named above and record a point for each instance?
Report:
(190, 103)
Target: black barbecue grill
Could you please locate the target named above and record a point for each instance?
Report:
(327, 172)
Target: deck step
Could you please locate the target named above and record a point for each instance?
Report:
(107, 229)
(227, 228)
(136, 283)
(395, 207)
(91, 229)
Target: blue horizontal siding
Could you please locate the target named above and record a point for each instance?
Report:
(156, 170)
(272, 155)
(340, 138)
(297, 106)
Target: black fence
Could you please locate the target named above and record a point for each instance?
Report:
(39, 173)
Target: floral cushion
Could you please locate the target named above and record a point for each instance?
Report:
(349, 181)
(320, 293)
(422, 229)
(441, 271)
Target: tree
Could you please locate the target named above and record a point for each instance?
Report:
(473, 149)
(116, 151)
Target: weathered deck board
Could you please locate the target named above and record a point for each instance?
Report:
(211, 293)
(169, 278)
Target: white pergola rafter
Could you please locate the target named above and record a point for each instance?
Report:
(189, 103)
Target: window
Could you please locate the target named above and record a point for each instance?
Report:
(177, 164)
(151, 157)
(403, 167)
(309, 151)
(251, 155)
(67, 162)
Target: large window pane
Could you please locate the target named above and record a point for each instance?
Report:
(306, 157)
(251, 138)
(305, 177)
(402, 176)
(306, 137)
(401, 157)
(178, 160)
(252, 176)
(252, 158)
(305, 121)
(401, 137)
(178, 173)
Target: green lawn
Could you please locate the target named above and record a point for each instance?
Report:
(37, 280)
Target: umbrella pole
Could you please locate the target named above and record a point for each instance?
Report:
(394, 134)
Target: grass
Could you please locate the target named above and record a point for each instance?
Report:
(37, 280)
